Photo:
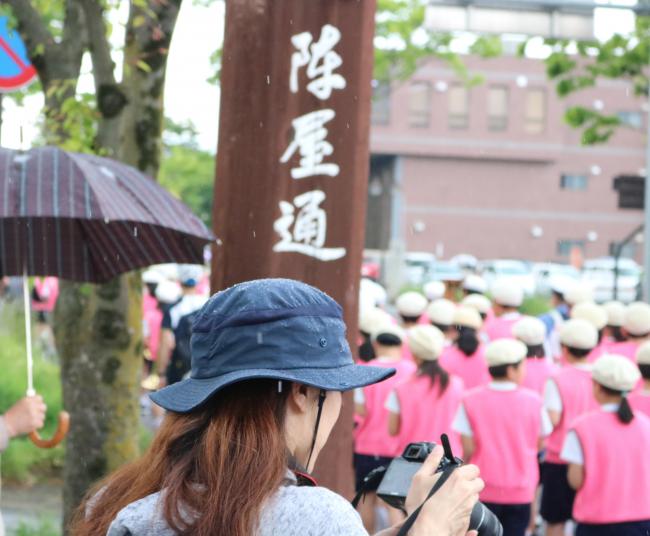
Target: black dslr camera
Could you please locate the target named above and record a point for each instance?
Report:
(397, 480)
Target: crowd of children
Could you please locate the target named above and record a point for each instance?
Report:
(560, 402)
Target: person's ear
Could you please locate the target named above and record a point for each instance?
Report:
(299, 397)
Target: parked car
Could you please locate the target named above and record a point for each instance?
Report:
(547, 272)
(599, 273)
(419, 266)
(509, 269)
(446, 271)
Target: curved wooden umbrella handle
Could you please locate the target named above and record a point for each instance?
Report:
(59, 435)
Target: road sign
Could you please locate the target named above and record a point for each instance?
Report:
(16, 71)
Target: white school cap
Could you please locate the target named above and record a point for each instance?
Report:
(643, 354)
(426, 342)
(370, 318)
(434, 290)
(441, 312)
(507, 293)
(475, 283)
(615, 313)
(530, 330)
(615, 372)
(467, 317)
(411, 304)
(592, 313)
(477, 301)
(505, 352)
(637, 319)
(578, 333)
(579, 292)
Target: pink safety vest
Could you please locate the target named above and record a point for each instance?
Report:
(616, 487)
(600, 350)
(506, 427)
(153, 316)
(500, 327)
(537, 372)
(48, 289)
(640, 401)
(472, 370)
(425, 414)
(576, 392)
(627, 349)
(371, 436)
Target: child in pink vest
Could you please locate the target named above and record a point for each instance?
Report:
(597, 316)
(502, 426)
(640, 398)
(373, 445)
(607, 452)
(465, 359)
(507, 298)
(422, 407)
(636, 328)
(532, 332)
(567, 395)
(441, 315)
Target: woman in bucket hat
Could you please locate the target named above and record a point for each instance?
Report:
(269, 362)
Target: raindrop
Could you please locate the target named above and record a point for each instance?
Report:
(107, 221)
(254, 234)
(268, 80)
(219, 242)
(347, 125)
(135, 232)
(260, 337)
(261, 124)
(107, 172)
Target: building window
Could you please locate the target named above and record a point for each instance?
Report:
(565, 247)
(631, 119)
(535, 118)
(380, 110)
(497, 108)
(458, 107)
(574, 182)
(419, 104)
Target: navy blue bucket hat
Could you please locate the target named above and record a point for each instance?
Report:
(268, 328)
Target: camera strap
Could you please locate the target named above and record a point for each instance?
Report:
(408, 524)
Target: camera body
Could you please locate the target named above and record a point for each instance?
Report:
(397, 480)
(396, 483)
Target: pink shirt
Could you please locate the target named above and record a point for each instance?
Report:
(538, 370)
(616, 487)
(600, 350)
(576, 392)
(371, 436)
(500, 327)
(473, 370)
(48, 290)
(627, 349)
(153, 316)
(640, 401)
(506, 429)
(425, 414)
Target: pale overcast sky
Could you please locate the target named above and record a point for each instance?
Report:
(188, 96)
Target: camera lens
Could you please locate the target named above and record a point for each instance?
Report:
(484, 521)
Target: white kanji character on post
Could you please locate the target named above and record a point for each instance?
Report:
(309, 228)
(309, 138)
(321, 61)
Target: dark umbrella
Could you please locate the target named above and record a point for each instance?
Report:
(85, 218)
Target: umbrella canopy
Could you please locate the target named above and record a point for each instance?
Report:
(85, 218)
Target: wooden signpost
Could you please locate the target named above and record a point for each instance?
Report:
(292, 163)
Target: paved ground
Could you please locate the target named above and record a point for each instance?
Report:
(31, 506)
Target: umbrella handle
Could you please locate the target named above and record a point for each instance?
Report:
(59, 435)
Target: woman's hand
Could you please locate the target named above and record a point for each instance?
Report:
(447, 513)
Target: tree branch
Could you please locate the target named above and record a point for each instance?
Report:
(74, 36)
(100, 50)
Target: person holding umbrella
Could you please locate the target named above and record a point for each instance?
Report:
(24, 417)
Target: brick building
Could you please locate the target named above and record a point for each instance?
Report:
(494, 171)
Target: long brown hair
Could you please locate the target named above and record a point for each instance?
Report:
(216, 465)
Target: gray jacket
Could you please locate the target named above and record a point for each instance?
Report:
(292, 510)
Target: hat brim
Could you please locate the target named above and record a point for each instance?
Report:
(187, 395)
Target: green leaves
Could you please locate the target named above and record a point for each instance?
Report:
(576, 66)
